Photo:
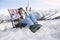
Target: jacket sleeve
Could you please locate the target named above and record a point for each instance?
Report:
(15, 17)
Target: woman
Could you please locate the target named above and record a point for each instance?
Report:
(29, 19)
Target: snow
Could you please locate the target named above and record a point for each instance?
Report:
(49, 31)
(46, 14)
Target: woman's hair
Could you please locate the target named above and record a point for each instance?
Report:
(20, 8)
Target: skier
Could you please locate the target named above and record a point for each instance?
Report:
(28, 19)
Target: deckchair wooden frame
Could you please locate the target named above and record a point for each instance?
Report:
(11, 18)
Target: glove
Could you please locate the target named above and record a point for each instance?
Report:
(21, 17)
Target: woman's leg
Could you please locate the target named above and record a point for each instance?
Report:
(33, 18)
(28, 21)
(31, 24)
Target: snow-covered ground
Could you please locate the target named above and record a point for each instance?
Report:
(50, 30)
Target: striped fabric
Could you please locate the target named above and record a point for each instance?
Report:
(13, 11)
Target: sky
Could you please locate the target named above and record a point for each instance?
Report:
(35, 4)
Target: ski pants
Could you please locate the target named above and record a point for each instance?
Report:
(29, 20)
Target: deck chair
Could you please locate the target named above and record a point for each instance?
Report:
(12, 12)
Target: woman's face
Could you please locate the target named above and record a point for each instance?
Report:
(21, 11)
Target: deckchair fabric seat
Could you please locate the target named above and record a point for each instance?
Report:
(15, 11)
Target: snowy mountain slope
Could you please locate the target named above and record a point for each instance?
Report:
(49, 31)
(4, 17)
(53, 15)
(46, 14)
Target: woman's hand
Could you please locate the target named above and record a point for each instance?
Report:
(21, 17)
